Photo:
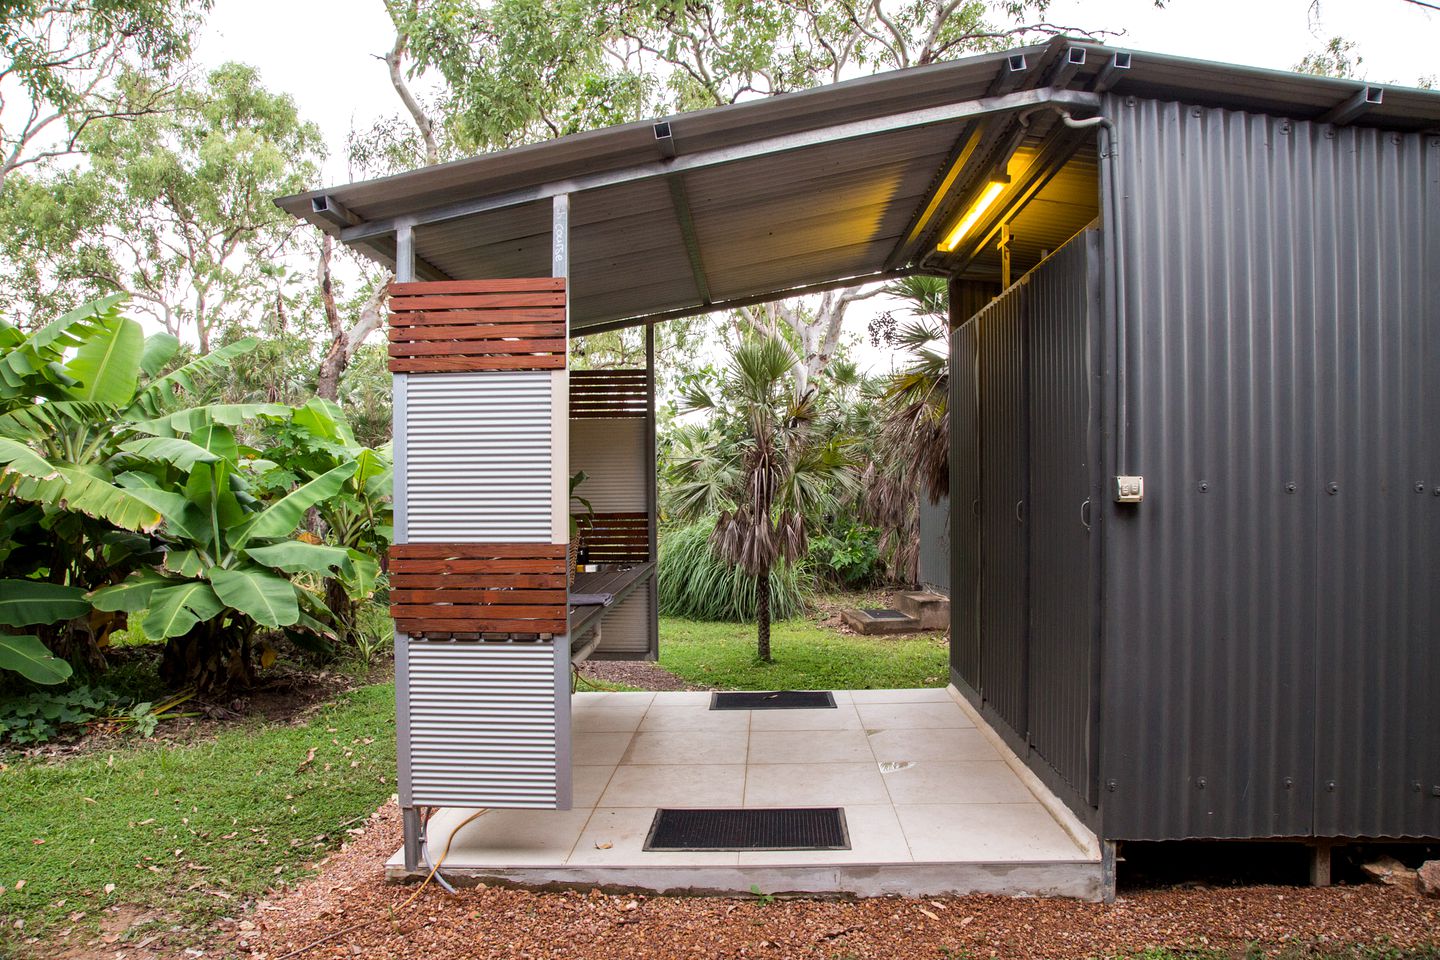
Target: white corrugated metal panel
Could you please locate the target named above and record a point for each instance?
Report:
(482, 724)
(612, 454)
(479, 457)
(627, 627)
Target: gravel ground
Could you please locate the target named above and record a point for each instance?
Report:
(644, 674)
(365, 917)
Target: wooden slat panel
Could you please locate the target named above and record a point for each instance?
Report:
(477, 286)
(617, 537)
(477, 325)
(473, 301)
(418, 551)
(480, 588)
(609, 394)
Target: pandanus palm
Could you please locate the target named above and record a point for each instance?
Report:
(761, 463)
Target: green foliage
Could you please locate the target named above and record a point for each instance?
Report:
(247, 808)
(696, 584)
(848, 554)
(807, 657)
(175, 523)
(38, 717)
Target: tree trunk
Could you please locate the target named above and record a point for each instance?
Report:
(762, 615)
(343, 342)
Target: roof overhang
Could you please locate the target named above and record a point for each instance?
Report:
(821, 188)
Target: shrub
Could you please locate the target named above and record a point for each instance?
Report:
(697, 585)
(849, 555)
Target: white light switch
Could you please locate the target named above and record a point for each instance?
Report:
(1129, 489)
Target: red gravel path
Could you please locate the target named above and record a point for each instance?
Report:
(501, 923)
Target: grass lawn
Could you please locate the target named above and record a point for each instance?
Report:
(188, 830)
(806, 657)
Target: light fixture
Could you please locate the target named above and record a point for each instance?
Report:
(988, 196)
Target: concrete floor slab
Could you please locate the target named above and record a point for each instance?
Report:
(934, 802)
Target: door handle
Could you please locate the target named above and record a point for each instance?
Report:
(1085, 513)
(1019, 511)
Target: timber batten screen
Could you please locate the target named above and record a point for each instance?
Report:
(478, 573)
(471, 325)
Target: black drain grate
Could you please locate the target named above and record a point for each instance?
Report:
(784, 828)
(877, 613)
(774, 700)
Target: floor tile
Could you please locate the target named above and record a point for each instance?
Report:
(956, 743)
(606, 719)
(693, 785)
(616, 836)
(912, 716)
(587, 783)
(678, 698)
(809, 746)
(813, 785)
(506, 837)
(598, 747)
(875, 837)
(679, 747)
(693, 717)
(918, 695)
(984, 831)
(613, 698)
(966, 781)
(843, 717)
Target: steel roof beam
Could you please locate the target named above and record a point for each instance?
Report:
(1353, 106)
(837, 133)
(1112, 73)
(680, 200)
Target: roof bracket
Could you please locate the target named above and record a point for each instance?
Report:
(332, 211)
(664, 139)
(1066, 67)
(1353, 106)
(1112, 73)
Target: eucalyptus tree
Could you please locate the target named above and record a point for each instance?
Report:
(174, 207)
(62, 58)
(767, 470)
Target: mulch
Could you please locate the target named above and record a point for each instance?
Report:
(363, 916)
(645, 674)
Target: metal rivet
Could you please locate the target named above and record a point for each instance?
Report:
(1332, 488)
(1436, 489)
(1416, 786)
(1199, 783)
(1288, 782)
(1290, 487)
(1112, 785)
(1330, 785)
(1419, 487)
(1196, 112)
(1285, 126)
(1204, 486)
(1435, 790)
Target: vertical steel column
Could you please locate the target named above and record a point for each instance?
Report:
(410, 814)
(651, 493)
(560, 267)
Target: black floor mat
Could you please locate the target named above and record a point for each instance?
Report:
(774, 700)
(781, 828)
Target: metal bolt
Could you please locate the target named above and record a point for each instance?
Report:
(1204, 486)
(1196, 112)
(1112, 785)
(1419, 487)
(1435, 790)
(1288, 782)
(1199, 783)
(1332, 488)
(1290, 487)
(1285, 126)
(1436, 489)
(1330, 785)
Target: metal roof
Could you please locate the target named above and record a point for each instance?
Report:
(831, 185)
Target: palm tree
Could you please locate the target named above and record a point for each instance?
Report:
(761, 463)
(914, 431)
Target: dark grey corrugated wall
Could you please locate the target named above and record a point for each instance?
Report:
(1270, 661)
(964, 500)
(934, 560)
(1004, 474)
(1063, 307)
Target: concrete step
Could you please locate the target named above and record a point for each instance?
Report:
(872, 622)
(931, 610)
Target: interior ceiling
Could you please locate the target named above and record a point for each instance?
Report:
(672, 239)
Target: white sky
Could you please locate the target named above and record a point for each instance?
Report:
(325, 53)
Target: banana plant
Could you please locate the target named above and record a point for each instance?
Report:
(26, 603)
